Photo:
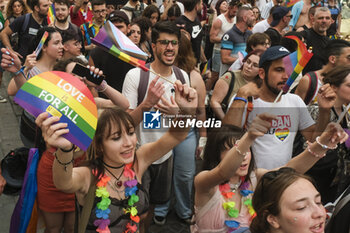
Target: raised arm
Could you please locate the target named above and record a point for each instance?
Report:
(214, 31)
(219, 93)
(65, 177)
(187, 100)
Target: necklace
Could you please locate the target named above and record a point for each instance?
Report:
(117, 167)
(118, 183)
(234, 187)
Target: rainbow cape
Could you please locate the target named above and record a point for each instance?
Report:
(63, 95)
(104, 41)
(295, 62)
(51, 14)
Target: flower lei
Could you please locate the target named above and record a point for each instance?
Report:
(102, 211)
(230, 205)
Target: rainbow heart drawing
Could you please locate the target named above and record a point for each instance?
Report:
(63, 95)
(282, 134)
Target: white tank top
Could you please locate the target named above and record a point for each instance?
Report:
(225, 26)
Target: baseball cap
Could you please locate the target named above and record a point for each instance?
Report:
(278, 14)
(273, 53)
(120, 15)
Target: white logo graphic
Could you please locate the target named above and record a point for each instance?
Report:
(196, 30)
(151, 120)
(283, 49)
(225, 37)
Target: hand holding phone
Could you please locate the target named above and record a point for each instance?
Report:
(83, 71)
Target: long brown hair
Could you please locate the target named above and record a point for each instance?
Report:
(9, 10)
(185, 58)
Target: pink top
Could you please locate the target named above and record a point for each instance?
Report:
(211, 217)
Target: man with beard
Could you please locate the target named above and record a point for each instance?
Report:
(234, 40)
(193, 26)
(316, 37)
(65, 27)
(266, 11)
(91, 29)
(221, 24)
(165, 45)
(275, 148)
(80, 12)
(281, 17)
(27, 27)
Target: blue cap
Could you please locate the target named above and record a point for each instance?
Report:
(273, 53)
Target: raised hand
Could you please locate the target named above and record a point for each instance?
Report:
(260, 125)
(169, 108)
(333, 135)
(10, 61)
(326, 97)
(155, 92)
(30, 61)
(186, 98)
(53, 131)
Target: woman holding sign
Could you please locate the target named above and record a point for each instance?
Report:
(224, 188)
(109, 187)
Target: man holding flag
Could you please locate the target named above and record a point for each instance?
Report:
(291, 112)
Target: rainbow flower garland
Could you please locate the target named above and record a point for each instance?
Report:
(229, 206)
(102, 211)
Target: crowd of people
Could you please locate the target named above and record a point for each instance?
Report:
(271, 165)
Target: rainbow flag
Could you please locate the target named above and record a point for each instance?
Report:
(41, 43)
(51, 14)
(103, 41)
(290, 3)
(63, 95)
(295, 62)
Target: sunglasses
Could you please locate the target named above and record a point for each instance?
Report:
(167, 42)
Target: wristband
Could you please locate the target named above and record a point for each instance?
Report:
(241, 98)
(202, 141)
(102, 87)
(66, 151)
(64, 164)
(239, 152)
(313, 153)
(21, 71)
(325, 146)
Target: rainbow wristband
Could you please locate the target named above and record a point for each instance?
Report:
(21, 71)
(241, 98)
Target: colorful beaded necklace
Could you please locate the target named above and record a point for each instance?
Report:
(229, 206)
(102, 211)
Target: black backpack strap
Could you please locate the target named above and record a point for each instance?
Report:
(312, 87)
(143, 84)
(178, 74)
(25, 23)
(232, 84)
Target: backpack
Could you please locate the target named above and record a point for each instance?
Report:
(144, 78)
(136, 12)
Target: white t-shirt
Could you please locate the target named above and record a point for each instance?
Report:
(130, 91)
(261, 26)
(275, 148)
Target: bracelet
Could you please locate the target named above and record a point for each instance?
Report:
(325, 146)
(240, 152)
(21, 71)
(241, 98)
(63, 164)
(202, 141)
(313, 153)
(66, 151)
(102, 87)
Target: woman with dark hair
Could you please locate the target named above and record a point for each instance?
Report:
(224, 188)
(173, 13)
(241, 77)
(221, 7)
(257, 14)
(145, 40)
(112, 175)
(152, 12)
(286, 201)
(135, 33)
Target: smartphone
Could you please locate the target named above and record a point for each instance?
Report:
(83, 71)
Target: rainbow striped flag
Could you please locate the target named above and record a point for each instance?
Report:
(103, 41)
(290, 3)
(41, 43)
(63, 95)
(295, 62)
(51, 14)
